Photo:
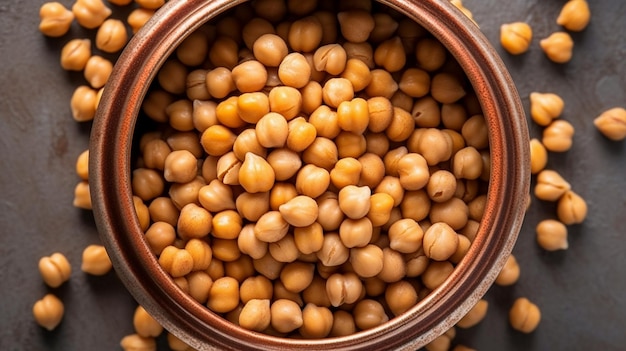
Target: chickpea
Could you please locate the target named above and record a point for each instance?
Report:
(436, 273)
(150, 4)
(612, 123)
(516, 37)
(111, 36)
(286, 101)
(255, 315)
(557, 136)
(97, 71)
(48, 311)
(305, 34)
(369, 313)
(538, 156)
(475, 315)
(356, 25)
(55, 269)
(83, 103)
(545, 107)
(286, 315)
(550, 186)
(256, 174)
(574, 15)
(75, 54)
(524, 315)
(558, 47)
(56, 19)
(430, 54)
(333, 252)
(510, 272)
(571, 208)
(96, 261)
(223, 295)
(90, 13)
(134, 342)
(138, 17)
(145, 325)
(551, 235)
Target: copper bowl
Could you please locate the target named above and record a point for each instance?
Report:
(137, 266)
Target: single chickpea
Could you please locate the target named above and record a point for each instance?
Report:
(475, 315)
(111, 36)
(430, 54)
(271, 227)
(97, 71)
(331, 58)
(516, 37)
(194, 222)
(558, 47)
(524, 315)
(550, 186)
(390, 54)
(286, 315)
(163, 209)
(83, 103)
(538, 156)
(75, 54)
(285, 249)
(343, 324)
(223, 295)
(286, 101)
(400, 297)
(90, 13)
(446, 88)
(256, 174)
(415, 82)
(545, 107)
(336, 91)
(356, 25)
(135, 342)
(249, 76)
(557, 136)
(55, 18)
(150, 4)
(369, 313)
(574, 15)
(510, 272)
(413, 171)
(551, 235)
(358, 73)
(48, 311)
(305, 34)
(96, 261)
(317, 321)
(612, 123)
(270, 49)
(309, 239)
(381, 84)
(145, 325)
(362, 51)
(440, 241)
(301, 211)
(436, 273)
(367, 261)
(571, 208)
(255, 315)
(220, 82)
(333, 252)
(55, 269)
(467, 163)
(138, 17)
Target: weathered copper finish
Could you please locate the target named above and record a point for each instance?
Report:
(109, 167)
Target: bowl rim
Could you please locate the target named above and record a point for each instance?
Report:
(110, 174)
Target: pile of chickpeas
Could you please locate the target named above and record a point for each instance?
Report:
(311, 168)
(315, 169)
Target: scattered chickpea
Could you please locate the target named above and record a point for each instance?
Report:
(574, 15)
(56, 19)
(538, 156)
(97, 71)
(111, 36)
(96, 260)
(138, 17)
(571, 208)
(54, 269)
(550, 185)
(551, 235)
(83, 103)
(516, 37)
(524, 315)
(475, 315)
(90, 13)
(510, 272)
(558, 47)
(136, 342)
(545, 107)
(145, 325)
(48, 311)
(82, 197)
(557, 136)
(75, 54)
(612, 123)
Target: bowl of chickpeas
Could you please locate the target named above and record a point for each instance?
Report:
(309, 175)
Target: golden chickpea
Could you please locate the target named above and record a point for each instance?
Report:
(551, 235)
(55, 269)
(96, 261)
(286, 101)
(538, 156)
(475, 315)
(309, 239)
(138, 17)
(369, 313)
(301, 211)
(55, 18)
(381, 84)
(467, 163)
(145, 325)
(216, 196)
(367, 261)
(440, 241)
(150, 4)
(301, 134)
(294, 70)
(336, 91)
(524, 315)
(333, 252)
(612, 123)
(430, 54)
(163, 209)
(343, 324)
(286, 315)
(317, 321)
(400, 296)
(350, 144)
(48, 311)
(90, 13)
(271, 227)
(75, 54)
(516, 37)
(446, 88)
(223, 295)
(557, 136)
(255, 315)
(545, 107)
(550, 186)
(111, 36)
(571, 208)
(558, 47)
(331, 58)
(97, 71)
(135, 342)
(574, 15)
(356, 25)
(83, 103)
(270, 49)
(256, 174)
(510, 272)
(305, 34)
